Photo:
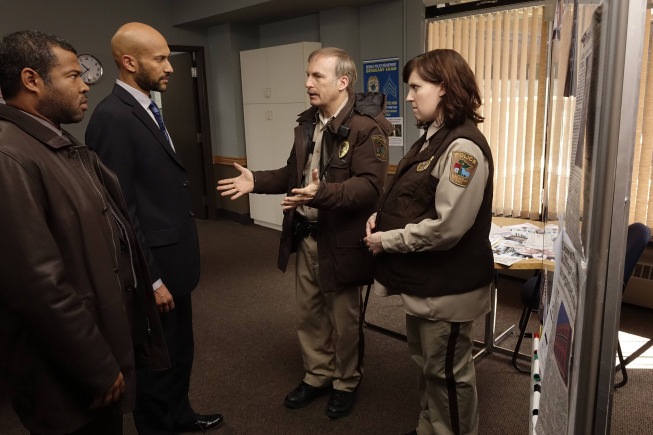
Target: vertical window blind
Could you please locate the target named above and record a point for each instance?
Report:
(641, 209)
(507, 51)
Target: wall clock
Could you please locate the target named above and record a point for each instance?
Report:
(91, 68)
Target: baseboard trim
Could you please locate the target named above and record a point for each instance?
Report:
(229, 161)
(241, 218)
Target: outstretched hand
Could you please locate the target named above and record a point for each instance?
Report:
(238, 186)
(303, 195)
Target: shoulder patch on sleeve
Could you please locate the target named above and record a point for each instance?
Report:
(380, 147)
(463, 167)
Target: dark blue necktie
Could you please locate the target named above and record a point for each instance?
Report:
(159, 119)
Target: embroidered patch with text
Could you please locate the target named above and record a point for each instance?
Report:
(463, 166)
(380, 147)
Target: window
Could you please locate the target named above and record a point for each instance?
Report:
(641, 209)
(505, 52)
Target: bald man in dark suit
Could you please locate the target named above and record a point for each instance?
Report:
(128, 133)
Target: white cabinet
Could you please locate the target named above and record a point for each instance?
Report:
(273, 95)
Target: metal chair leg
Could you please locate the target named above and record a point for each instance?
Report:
(391, 333)
(622, 365)
(523, 324)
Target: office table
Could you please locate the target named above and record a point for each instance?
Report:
(491, 341)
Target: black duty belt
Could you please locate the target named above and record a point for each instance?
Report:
(303, 228)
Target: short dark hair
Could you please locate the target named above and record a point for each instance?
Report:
(27, 49)
(448, 68)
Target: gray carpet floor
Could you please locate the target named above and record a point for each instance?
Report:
(247, 357)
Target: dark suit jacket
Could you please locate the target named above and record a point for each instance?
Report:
(155, 186)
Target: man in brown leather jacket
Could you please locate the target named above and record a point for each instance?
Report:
(75, 319)
(334, 176)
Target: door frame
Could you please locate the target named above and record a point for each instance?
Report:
(205, 125)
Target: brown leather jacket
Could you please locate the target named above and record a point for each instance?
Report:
(73, 311)
(354, 182)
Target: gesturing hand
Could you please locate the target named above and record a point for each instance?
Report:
(304, 195)
(238, 186)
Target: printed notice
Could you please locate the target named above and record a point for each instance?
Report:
(382, 75)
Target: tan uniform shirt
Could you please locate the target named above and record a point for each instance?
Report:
(457, 208)
(313, 160)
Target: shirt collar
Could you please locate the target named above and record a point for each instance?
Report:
(45, 123)
(142, 99)
(325, 121)
(433, 128)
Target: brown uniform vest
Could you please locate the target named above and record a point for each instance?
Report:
(410, 199)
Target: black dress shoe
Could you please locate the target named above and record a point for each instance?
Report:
(340, 403)
(203, 423)
(303, 395)
(412, 432)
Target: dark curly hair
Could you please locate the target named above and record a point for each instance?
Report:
(27, 49)
(448, 68)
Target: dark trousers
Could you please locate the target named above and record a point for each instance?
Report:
(162, 396)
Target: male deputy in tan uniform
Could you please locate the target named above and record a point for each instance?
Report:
(430, 237)
(333, 179)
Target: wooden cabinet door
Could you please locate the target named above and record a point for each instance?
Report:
(273, 96)
(254, 76)
(286, 73)
(269, 134)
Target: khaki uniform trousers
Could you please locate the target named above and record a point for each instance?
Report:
(447, 381)
(329, 326)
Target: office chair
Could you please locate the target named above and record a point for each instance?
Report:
(530, 298)
(638, 237)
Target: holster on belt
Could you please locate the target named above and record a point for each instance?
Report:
(302, 228)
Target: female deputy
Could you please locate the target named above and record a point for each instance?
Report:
(430, 238)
